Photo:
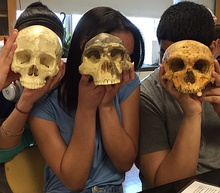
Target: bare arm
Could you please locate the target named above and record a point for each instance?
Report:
(12, 128)
(181, 161)
(121, 139)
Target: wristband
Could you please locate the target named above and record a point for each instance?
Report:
(16, 107)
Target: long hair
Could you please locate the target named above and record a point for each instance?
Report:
(93, 22)
(186, 20)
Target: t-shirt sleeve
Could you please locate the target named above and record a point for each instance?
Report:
(153, 132)
(44, 107)
(128, 88)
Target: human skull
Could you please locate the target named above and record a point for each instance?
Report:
(189, 64)
(37, 55)
(104, 58)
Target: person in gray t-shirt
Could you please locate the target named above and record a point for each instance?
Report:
(179, 133)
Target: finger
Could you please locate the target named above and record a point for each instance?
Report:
(216, 66)
(132, 72)
(163, 81)
(52, 81)
(125, 76)
(9, 58)
(62, 70)
(85, 79)
(8, 46)
(211, 91)
(210, 99)
(216, 76)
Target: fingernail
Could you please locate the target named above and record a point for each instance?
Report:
(5, 40)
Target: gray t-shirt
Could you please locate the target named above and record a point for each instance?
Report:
(160, 117)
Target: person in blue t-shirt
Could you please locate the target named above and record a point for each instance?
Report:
(88, 134)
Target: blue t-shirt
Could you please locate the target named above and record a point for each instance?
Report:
(102, 171)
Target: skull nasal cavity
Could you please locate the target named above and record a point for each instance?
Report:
(106, 66)
(33, 71)
(189, 77)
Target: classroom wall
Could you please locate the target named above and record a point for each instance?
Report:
(142, 8)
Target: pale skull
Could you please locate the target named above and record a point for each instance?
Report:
(37, 55)
(104, 58)
(189, 64)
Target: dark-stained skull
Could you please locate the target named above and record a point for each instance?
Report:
(189, 64)
(104, 58)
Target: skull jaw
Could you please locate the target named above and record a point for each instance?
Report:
(32, 83)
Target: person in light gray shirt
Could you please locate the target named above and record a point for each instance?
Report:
(179, 133)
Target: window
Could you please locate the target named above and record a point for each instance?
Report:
(148, 31)
(147, 27)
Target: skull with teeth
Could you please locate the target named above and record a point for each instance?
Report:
(104, 58)
(189, 64)
(37, 55)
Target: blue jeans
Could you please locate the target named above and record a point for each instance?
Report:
(104, 189)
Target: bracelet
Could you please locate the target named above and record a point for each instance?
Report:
(10, 134)
(16, 107)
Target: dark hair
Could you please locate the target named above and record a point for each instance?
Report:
(217, 31)
(186, 20)
(39, 14)
(92, 23)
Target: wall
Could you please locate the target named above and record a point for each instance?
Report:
(217, 10)
(208, 3)
(142, 8)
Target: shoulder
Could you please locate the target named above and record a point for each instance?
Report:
(151, 84)
(128, 88)
(46, 106)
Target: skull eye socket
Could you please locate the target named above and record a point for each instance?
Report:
(201, 66)
(176, 64)
(93, 55)
(117, 54)
(24, 57)
(46, 60)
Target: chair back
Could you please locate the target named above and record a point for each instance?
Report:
(25, 172)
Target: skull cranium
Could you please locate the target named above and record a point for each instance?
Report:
(37, 55)
(104, 58)
(189, 64)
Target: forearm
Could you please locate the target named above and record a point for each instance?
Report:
(26, 141)
(182, 159)
(118, 144)
(13, 127)
(80, 152)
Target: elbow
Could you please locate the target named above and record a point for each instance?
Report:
(122, 168)
(74, 182)
(76, 186)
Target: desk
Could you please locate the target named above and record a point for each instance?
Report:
(212, 177)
